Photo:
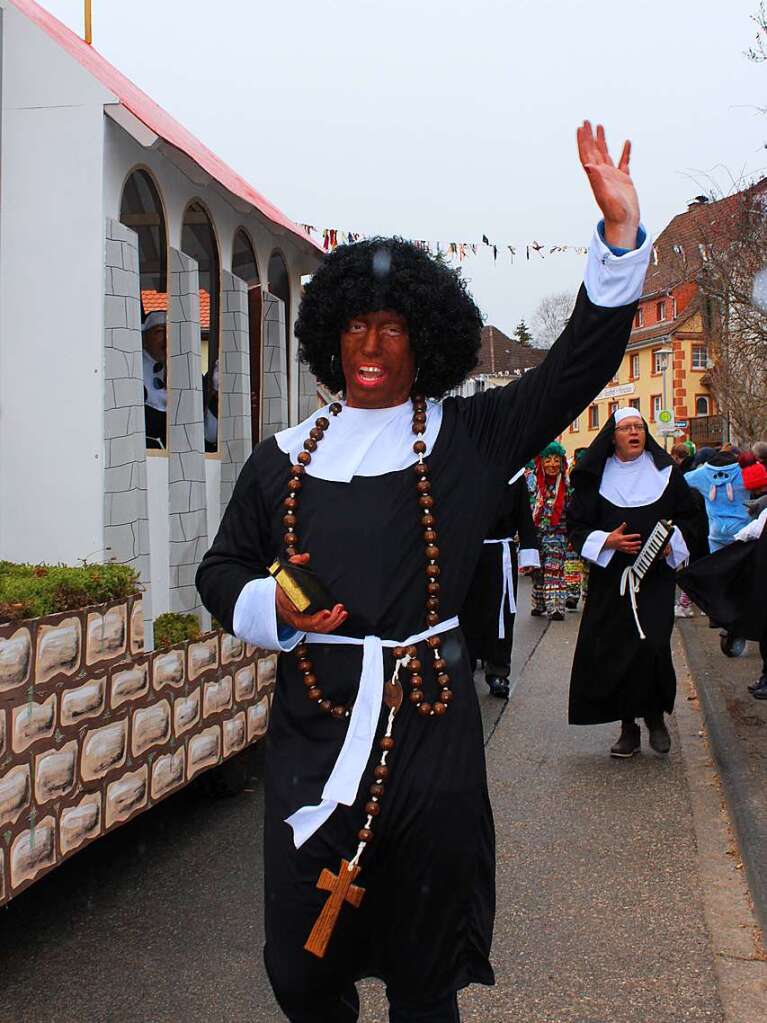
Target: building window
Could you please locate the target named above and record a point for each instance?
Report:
(673, 308)
(657, 369)
(702, 406)
(660, 311)
(198, 240)
(575, 425)
(635, 403)
(639, 318)
(245, 267)
(656, 404)
(699, 357)
(634, 374)
(141, 210)
(593, 417)
(612, 408)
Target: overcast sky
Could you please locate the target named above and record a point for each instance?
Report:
(446, 120)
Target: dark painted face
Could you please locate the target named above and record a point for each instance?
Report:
(155, 343)
(377, 361)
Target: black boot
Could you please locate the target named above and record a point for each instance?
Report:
(498, 686)
(660, 740)
(629, 742)
(760, 693)
(759, 684)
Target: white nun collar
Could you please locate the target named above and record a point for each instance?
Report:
(362, 442)
(635, 483)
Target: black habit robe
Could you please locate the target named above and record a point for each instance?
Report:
(480, 614)
(616, 675)
(425, 923)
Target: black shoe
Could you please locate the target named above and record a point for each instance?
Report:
(535, 612)
(498, 686)
(629, 742)
(761, 681)
(571, 603)
(660, 740)
(760, 693)
(557, 616)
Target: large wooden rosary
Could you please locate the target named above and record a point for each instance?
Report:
(341, 887)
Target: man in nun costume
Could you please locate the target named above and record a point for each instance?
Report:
(375, 757)
(622, 669)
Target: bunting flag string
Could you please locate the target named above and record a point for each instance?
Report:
(331, 237)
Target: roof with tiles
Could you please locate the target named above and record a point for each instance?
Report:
(154, 300)
(680, 249)
(500, 355)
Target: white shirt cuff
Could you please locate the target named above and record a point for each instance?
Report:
(680, 552)
(593, 549)
(255, 617)
(754, 529)
(613, 281)
(529, 558)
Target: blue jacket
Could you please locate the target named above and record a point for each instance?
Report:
(725, 496)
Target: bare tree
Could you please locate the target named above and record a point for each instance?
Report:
(758, 52)
(550, 317)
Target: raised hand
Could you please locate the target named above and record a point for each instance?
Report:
(612, 186)
(320, 621)
(620, 540)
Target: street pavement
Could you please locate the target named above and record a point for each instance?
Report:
(600, 904)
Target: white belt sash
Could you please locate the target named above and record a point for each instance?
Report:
(344, 781)
(508, 586)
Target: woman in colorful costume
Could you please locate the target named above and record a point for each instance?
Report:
(549, 498)
(375, 756)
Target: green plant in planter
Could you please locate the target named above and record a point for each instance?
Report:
(29, 591)
(171, 628)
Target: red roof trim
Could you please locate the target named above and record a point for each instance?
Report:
(153, 116)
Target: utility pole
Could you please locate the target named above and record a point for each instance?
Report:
(88, 23)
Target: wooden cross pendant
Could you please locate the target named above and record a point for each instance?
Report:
(342, 889)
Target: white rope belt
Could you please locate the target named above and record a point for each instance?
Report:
(344, 780)
(631, 582)
(508, 586)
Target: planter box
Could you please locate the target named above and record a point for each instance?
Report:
(93, 731)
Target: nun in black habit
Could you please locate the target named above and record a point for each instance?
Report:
(488, 615)
(392, 493)
(624, 484)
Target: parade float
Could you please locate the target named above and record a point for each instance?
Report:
(109, 210)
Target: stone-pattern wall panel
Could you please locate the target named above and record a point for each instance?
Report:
(274, 393)
(101, 734)
(186, 437)
(126, 518)
(234, 432)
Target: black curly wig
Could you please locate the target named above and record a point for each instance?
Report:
(442, 318)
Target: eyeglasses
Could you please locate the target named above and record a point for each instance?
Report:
(630, 428)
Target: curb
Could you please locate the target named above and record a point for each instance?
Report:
(744, 797)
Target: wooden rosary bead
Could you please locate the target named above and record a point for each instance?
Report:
(419, 447)
(387, 743)
(443, 679)
(302, 650)
(414, 665)
(294, 485)
(432, 552)
(315, 693)
(304, 664)
(290, 539)
(439, 664)
(421, 468)
(440, 708)
(411, 651)
(297, 470)
(429, 535)
(434, 642)
(335, 408)
(372, 809)
(424, 709)
(418, 429)
(315, 433)
(416, 695)
(416, 681)
(322, 423)
(432, 588)
(428, 519)
(310, 680)
(432, 604)
(432, 618)
(304, 457)
(291, 503)
(446, 696)
(432, 571)
(423, 486)
(310, 445)
(425, 500)
(289, 520)
(325, 705)
(338, 711)
(382, 772)
(365, 835)
(399, 652)
(377, 790)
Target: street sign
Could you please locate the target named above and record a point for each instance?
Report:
(665, 416)
(681, 424)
